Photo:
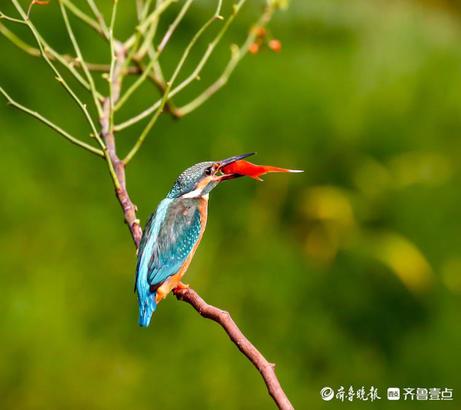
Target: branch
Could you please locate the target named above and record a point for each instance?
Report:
(51, 125)
(11, 19)
(144, 25)
(166, 94)
(76, 46)
(198, 69)
(224, 319)
(84, 17)
(97, 13)
(128, 207)
(107, 134)
(147, 43)
(154, 57)
(160, 84)
(237, 55)
(66, 60)
(173, 25)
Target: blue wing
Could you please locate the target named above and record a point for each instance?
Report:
(170, 235)
(176, 238)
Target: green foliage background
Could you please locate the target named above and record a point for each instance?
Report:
(349, 274)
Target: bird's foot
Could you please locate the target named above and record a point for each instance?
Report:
(180, 286)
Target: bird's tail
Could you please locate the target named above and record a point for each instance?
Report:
(147, 307)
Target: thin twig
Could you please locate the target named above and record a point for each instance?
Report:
(139, 8)
(114, 87)
(154, 58)
(166, 94)
(196, 72)
(3, 16)
(133, 55)
(236, 56)
(174, 25)
(85, 68)
(18, 42)
(144, 25)
(61, 80)
(97, 13)
(67, 61)
(160, 84)
(211, 47)
(132, 89)
(148, 47)
(59, 77)
(84, 17)
(51, 125)
(133, 49)
(149, 37)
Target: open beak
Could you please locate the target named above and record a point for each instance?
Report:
(220, 164)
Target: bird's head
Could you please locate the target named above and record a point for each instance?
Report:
(201, 178)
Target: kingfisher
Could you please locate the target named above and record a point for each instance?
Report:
(173, 233)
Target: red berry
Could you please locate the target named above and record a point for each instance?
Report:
(254, 48)
(261, 32)
(275, 45)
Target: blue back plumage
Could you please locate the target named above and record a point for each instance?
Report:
(170, 235)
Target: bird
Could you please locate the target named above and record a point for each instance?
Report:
(173, 233)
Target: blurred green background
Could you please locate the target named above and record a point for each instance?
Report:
(348, 274)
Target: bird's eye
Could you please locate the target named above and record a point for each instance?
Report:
(208, 171)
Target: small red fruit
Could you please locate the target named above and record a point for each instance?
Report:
(254, 48)
(261, 32)
(275, 45)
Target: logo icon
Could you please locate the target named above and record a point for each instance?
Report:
(327, 393)
(393, 393)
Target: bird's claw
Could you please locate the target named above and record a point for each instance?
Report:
(180, 286)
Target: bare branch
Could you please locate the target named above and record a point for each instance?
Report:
(18, 42)
(196, 72)
(224, 319)
(3, 16)
(84, 17)
(85, 68)
(144, 25)
(59, 77)
(119, 176)
(156, 54)
(165, 98)
(129, 209)
(51, 125)
(149, 37)
(174, 25)
(97, 13)
(160, 84)
(115, 79)
(237, 55)
(67, 61)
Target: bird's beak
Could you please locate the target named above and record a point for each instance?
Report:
(220, 164)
